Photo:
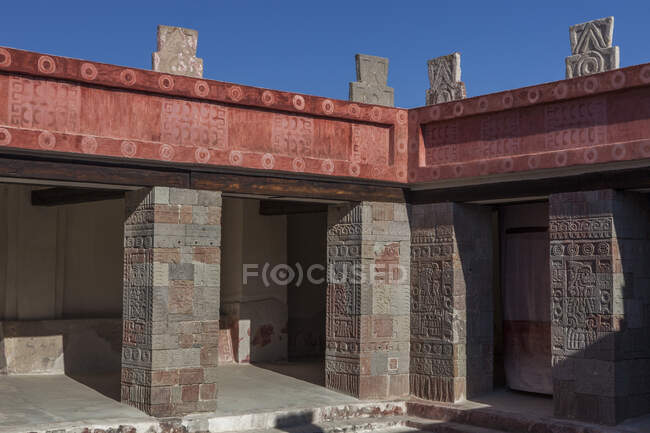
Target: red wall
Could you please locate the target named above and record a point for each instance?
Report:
(55, 104)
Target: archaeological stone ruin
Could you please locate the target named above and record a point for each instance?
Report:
(189, 255)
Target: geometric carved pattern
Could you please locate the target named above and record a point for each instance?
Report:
(431, 372)
(451, 301)
(599, 330)
(198, 124)
(444, 80)
(581, 282)
(47, 105)
(591, 46)
(138, 306)
(367, 320)
(343, 333)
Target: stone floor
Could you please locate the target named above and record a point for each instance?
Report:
(42, 402)
(29, 402)
(39, 403)
(263, 387)
(513, 401)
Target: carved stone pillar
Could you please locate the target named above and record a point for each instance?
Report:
(368, 300)
(451, 301)
(172, 241)
(600, 280)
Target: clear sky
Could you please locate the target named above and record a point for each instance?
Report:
(308, 46)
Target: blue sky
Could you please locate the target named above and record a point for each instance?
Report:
(309, 46)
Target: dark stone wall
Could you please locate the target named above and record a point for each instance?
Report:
(451, 281)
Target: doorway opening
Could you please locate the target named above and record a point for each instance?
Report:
(273, 285)
(522, 300)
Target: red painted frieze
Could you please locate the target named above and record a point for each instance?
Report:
(600, 118)
(56, 104)
(66, 105)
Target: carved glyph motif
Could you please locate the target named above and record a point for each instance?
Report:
(371, 85)
(177, 52)
(581, 287)
(370, 145)
(591, 48)
(444, 80)
(39, 104)
(194, 124)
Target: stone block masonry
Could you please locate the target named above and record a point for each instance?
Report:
(451, 281)
(172, 248)
(367, 331)
(600, 285)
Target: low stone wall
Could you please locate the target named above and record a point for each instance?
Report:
(75, 346)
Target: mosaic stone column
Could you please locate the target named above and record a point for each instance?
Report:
(600, 282)
(172, 240)
(368, 300)
(451, 282)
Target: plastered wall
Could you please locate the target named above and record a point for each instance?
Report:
(61, 261)
(285, 321)
(254, 239)
(307, 245)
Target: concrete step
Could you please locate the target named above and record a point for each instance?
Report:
(289, 418)
(354, 425)
(438, 426)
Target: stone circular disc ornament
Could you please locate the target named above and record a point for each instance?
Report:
(88, 71)
(46, 140)
(5, 58)
(128, 148)
(127, 77)
(5, 137)
(201, 88)
(298, 102)
(46, 65)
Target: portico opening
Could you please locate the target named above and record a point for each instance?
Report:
(273, 296)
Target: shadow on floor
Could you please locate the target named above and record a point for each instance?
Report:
(308, 370)
(304, 420)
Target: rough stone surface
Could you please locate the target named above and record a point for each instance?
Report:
(600, 282)
(367, 329)
(177, 52)
(371, 85)
(171, 300)
(451, 281)
(591, 48)
(444, 80)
